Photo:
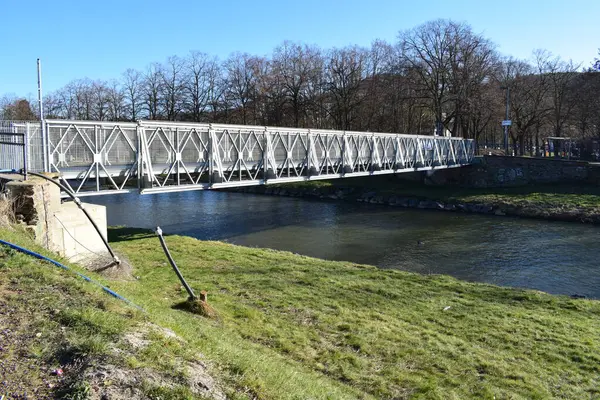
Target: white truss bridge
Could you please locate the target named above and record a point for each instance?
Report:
(154, 156)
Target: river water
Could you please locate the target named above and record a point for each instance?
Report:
(556, 257)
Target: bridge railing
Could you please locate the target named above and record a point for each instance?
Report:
(17, 131)
(154, 156)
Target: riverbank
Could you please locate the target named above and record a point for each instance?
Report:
(294, 327)
(577, 202)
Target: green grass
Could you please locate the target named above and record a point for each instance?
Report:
(50, 318)
(294, 327)
(579, 196)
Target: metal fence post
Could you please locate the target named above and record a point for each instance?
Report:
(25, 146)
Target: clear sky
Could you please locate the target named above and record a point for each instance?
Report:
(100, 39)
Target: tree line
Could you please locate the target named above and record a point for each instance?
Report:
(439, 77)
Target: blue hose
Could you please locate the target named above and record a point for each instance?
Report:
(41, 257)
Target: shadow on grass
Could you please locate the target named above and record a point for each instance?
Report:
(123, 234)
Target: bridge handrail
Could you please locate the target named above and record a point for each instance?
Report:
(219, 126)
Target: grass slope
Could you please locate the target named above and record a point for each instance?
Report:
(50, 319)
(293, 327)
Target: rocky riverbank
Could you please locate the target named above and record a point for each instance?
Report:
(524, 208)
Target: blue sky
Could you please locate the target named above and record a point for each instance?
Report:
(100, 39)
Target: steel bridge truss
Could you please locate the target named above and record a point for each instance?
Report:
(154, 156)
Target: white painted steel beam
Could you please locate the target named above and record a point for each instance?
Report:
(158, 156)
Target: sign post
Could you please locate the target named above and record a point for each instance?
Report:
(507, 122)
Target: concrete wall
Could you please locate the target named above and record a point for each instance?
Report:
(60, 227)
(35, 202)
(498, 171)
(73, 234)
(501, 171)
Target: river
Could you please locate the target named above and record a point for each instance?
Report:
(555, 257)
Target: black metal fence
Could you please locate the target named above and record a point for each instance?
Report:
(13, 151)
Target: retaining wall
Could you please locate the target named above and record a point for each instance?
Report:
(501, 171)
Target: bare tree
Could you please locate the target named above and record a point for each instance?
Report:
(449, 61)
(345, 72)
(81, 97)
(473, 63)
(152, 89)
(52, 106)
(596, 65)
(216, 86)
(100, 100)
(378, 69)
(529, 87)
(561, 76)
(172, 87)
(242, 78)
(426, 50)
(196, 84)
(116, 102)
(133, 91)
(586, 113)
(298, 66)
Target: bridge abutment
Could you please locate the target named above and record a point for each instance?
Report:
(59, 227)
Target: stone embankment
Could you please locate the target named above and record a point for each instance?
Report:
(528, 210)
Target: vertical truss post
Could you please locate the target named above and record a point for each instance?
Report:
(375, 159)
(240, 155)
(308, 152)
(215, 165)
(437, 158)
(472, 150)
(346, 156)
(96, 158)
(311, 156)
(372, 146)
(26, 162)
(269, 171)
(419, 160)
(145, 160)
(452, 152)
(46, 153)
(210, 156)
(397, 155)
(177, 155)
(138, 156)
(265, 159)
(464, 152)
